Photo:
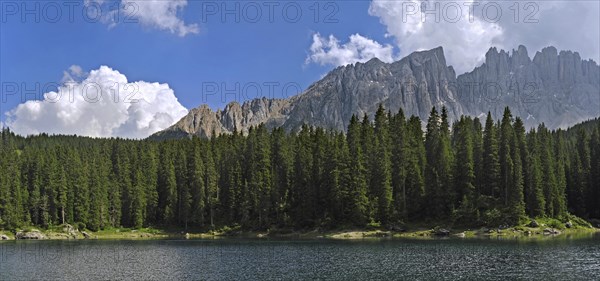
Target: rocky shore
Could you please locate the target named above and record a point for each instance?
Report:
(532, 230)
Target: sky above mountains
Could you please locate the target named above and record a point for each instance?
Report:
(130, 68)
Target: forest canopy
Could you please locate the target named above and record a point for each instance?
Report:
(383, 171)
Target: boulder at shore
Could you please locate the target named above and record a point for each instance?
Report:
(551, 231)
(33, 234)
(441, 232)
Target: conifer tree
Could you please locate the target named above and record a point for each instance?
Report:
(432, 173)
(547, 163)
(505, 157)
(196, 176)
(282, 172)
(534, 191)
(210, 182)
(358, 203)
(167, 185)
(580, 167)
(367, 139)
(491, 164)
(464, 167)
(184, 196)
(382, 170)
(445, 160)
(399, 155)
(415, 168)
(593, 193)
(303, 195)
(516, 203)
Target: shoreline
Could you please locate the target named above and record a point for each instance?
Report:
(524, 233)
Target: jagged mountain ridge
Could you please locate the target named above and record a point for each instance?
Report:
(558, 89)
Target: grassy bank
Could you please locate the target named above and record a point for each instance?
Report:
(545, 229)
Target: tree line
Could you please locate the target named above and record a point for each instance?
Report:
(381, 172)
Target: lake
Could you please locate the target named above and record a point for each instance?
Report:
(258, 259)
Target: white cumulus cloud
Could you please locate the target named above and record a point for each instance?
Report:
(329, 51)
(159, 14)
(465, 41)
(162, 14)
(103, 104)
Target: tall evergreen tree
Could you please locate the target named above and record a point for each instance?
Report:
(303, 193)
(167, 186)
(415, 168)
(399, 147)
(593, 193)
(515, 194)
(579, 175)
(491, 164)
(549, 181)
(534, 191)
(382, 172)
(464, 169)
(282, 172)
(439, 163)
(357, 207)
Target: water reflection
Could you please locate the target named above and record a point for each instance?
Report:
(234, 259)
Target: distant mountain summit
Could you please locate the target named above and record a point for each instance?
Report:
(558, 89)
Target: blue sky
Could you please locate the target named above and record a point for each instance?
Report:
(222, 51)
(177, 42)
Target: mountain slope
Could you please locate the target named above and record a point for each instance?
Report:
(559, 89)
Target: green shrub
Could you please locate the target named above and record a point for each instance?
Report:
(520, 228)
(229, 229)
(493, 217)
(577, 221)
(28, 228)
(373, 225)
(554, 223)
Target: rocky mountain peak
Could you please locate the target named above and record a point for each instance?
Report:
(558, 89)
(520, 56)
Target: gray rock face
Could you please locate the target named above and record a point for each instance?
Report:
(416, 84)
(204, 122)
(558, 89)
